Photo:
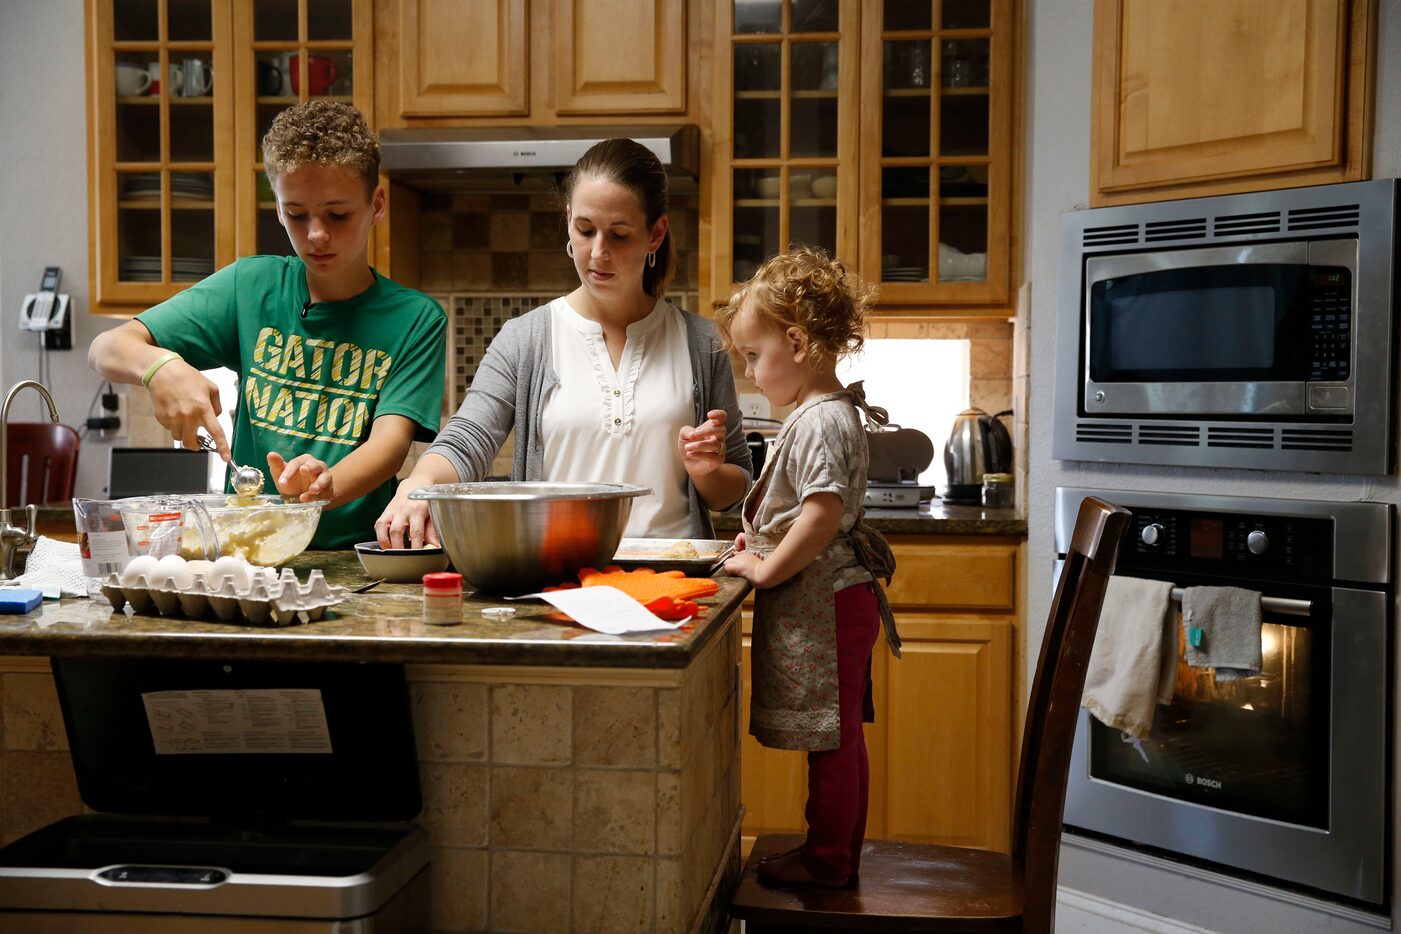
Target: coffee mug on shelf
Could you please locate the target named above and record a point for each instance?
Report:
(197, 78)
(132, 79)
(177, 76)
(321, 73)
(269, 78)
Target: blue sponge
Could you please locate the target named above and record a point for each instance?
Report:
(16, 600)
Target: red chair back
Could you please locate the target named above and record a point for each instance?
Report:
(43, 463)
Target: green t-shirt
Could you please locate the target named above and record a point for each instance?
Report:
(312, 378)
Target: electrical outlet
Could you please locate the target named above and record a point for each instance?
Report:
(121, 430)
(753, 405)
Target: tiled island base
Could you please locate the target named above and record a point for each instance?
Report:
(558, 799)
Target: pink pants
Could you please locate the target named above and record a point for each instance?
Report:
(839, 779)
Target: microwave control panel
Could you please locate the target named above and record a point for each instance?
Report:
(1216, 542)
(1330, 324)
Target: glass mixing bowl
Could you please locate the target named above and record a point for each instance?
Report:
(263, 530)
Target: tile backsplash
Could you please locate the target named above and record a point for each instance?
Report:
(503, 243)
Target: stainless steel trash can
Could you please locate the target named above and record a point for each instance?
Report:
(235, 797)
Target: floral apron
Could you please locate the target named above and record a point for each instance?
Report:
(793, 657)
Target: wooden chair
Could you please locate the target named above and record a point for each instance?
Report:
(43, 463)
(925, 887)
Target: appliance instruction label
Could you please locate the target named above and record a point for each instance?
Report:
(277, 720)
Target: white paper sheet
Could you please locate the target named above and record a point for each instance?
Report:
(258, 720)
(605, 609)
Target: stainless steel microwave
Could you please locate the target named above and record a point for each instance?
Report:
(1251, 330)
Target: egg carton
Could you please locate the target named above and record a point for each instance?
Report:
(269, 600)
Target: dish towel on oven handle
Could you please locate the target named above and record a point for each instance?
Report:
(1134, 660)
(1222, 630)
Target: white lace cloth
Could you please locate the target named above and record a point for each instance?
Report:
(53, 566)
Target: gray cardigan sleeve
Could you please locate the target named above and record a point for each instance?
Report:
(473, 436)
(721, 393)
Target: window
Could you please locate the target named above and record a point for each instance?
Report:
(923, 384)
(227, 381)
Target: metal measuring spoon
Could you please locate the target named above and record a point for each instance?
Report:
(247, 481)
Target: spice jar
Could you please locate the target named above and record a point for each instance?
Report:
(998, 489)
(442, 598)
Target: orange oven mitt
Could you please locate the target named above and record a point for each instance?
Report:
(669, 595)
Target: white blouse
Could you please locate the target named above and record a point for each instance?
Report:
(599, 424)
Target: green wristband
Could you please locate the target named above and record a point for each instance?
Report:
(160, 361)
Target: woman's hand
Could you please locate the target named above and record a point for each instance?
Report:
(703, 448)
(303, 476)
(407, 523)
(745, 564)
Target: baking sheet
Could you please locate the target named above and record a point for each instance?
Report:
(653, 553)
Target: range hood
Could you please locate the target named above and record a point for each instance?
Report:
(522, 158)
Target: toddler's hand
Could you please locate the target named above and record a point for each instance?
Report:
(303, 476)
(703, 448)
(745, 564)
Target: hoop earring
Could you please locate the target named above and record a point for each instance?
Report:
(652, 259)
(569, 248)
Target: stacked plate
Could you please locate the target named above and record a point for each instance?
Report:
(148, 268)
(146, 186)
(905, 274)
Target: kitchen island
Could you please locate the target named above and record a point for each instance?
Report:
(572, 781)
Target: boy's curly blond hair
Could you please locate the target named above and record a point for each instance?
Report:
(806, 289)
(322, 133)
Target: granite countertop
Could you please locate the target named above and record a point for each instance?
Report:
(384, 625)
(934, 517)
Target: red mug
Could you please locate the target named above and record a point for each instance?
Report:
(320, 73)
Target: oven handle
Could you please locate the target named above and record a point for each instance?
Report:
(1284, 605)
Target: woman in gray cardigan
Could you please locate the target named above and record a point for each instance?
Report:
(609, 383)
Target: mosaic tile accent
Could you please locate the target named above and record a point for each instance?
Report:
(474, 320)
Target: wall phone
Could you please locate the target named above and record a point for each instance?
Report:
(46, 312)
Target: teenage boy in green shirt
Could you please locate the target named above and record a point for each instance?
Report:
(337, 365)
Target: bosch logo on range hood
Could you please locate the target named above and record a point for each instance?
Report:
(434, 158)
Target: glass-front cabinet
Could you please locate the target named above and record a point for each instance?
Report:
(180, 94)
(878, 130)
(788, 174)
(161, 109)
(292, 51)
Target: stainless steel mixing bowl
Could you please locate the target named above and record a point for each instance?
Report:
(517, 537)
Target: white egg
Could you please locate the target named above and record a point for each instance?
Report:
(199, 569)
(175, 572)
(137, 567)
(235, 569)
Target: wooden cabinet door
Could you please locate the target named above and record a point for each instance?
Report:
(463, 59)
(1196, 97)
(954, 573)
(938, 186)
(785, 132)
(620, 56)
(946, 768)
(162, 189)
(275, 49)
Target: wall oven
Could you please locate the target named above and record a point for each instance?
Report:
(1283, 776)
(1250, 330)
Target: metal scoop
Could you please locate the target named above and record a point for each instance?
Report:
(247, 481)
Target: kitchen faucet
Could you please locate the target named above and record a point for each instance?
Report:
(14, 537)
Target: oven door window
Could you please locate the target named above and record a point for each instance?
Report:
(1229, 323)
(1256, 746)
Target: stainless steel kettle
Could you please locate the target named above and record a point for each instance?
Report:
(978, 444)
